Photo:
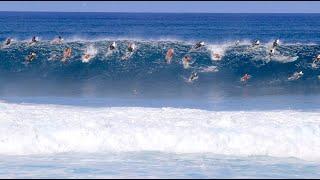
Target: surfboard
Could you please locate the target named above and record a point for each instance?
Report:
(127, 55)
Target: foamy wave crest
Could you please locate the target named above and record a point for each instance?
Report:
(40, 129)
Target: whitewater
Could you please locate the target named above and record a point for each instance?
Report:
(48, 129)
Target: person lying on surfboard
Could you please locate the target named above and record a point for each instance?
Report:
(169, 55)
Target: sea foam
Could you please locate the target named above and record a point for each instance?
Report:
(46, 129)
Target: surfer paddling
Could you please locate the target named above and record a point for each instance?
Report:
(198, 45)
(31, 57)
(66, 54)
(129, 52)
(245, 78)
(193, 76)
(169, 55)
(186, 61)
(295, 76)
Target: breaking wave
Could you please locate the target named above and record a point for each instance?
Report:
(46, 129)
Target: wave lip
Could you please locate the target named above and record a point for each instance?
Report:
(46, 129)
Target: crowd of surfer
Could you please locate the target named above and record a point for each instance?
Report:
(186, 60)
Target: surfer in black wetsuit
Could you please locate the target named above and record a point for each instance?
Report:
(31, 57)
(131, 47)
(193, 76)
(256, 43)
(198, 45)
(275, 43)
(8, 42)
(113, 46)
(271, 52)
(33, 40)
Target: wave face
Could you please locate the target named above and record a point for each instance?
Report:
(147, 64)
(44, 129)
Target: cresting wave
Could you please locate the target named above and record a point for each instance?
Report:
(46, 129)
(149, 58)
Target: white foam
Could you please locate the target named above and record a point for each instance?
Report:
(91, 51)
(218, 50)
(42, 129)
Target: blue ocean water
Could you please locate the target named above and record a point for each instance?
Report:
(142, 117)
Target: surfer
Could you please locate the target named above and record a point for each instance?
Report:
(296, 76)
(8, 42)
(216, 56)
(33, 40)
(66, 54)
(316, 62)
(198, 45)
(86, 56)
(129, 52)
(256, 43)
(112, 46)
(317, 59)
(57, 40)
(131, 47)
(186, 62)
(275, 43)
(245, 78)
(237, 42)
(271, 52)
(169, 55)
(193, 76)
(31, 57)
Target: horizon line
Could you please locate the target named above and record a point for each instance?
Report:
(161, 12)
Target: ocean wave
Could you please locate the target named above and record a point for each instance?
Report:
(149, 58)
(44, 129)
